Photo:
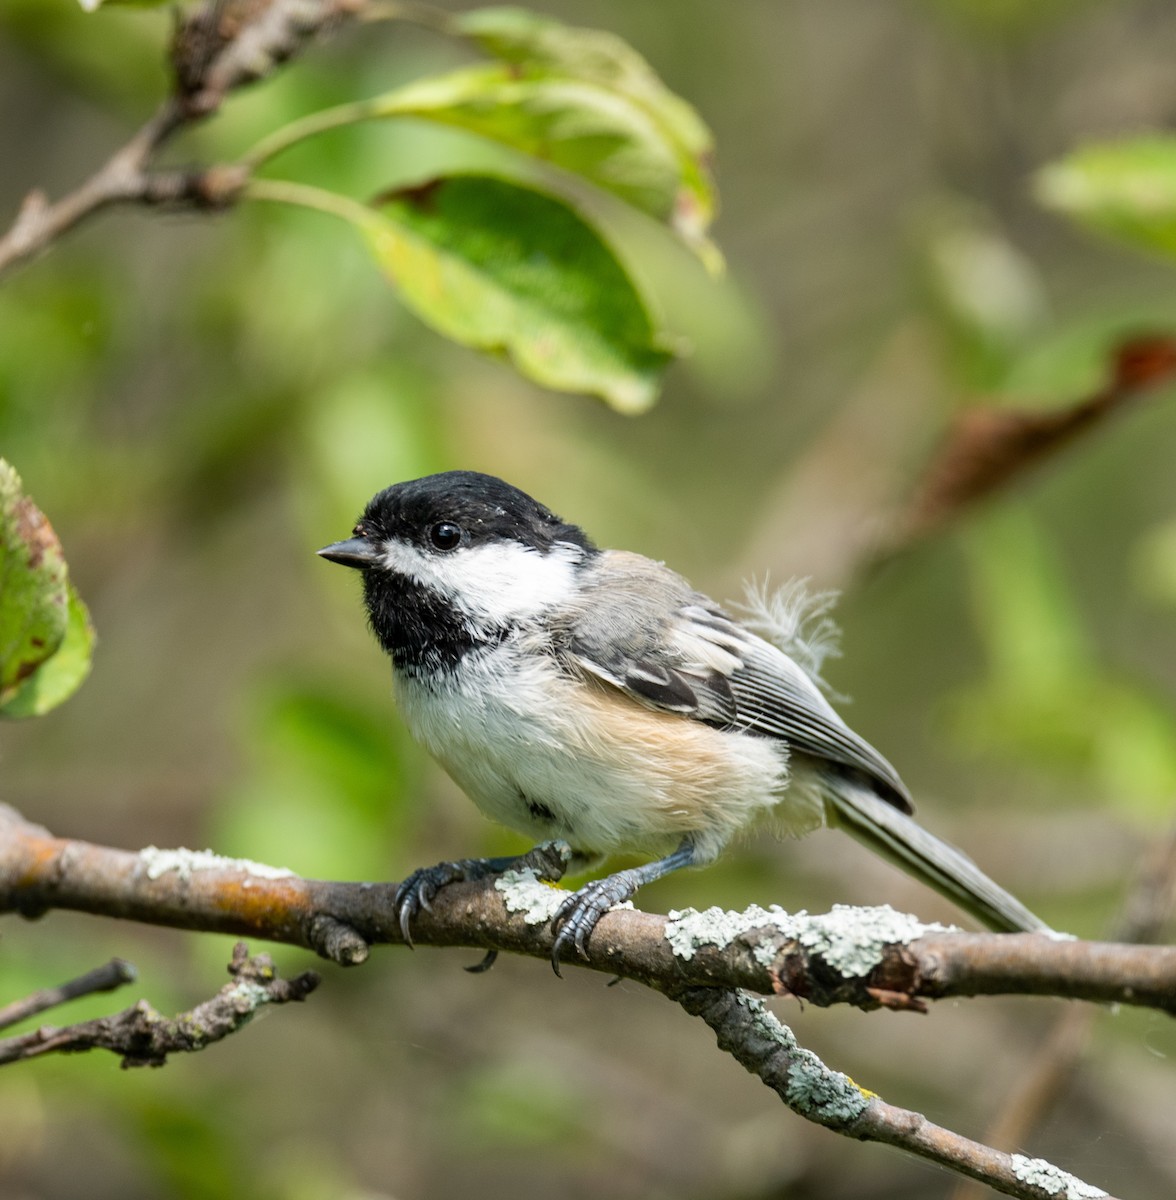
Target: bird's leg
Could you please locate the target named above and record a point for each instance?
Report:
(577, 916)
(549, 861)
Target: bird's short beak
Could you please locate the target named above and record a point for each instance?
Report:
(355, 552)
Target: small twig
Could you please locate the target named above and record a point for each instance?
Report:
(217, 50)
(747, 1031)
(229, 44)
(144, 1038)
(107, 978)
(1151, 900)
(119, 180)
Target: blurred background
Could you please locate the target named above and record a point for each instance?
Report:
(199, 402)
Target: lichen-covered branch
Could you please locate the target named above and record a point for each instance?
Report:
(1047, 1077)
(747, 1031)
(869, 958)
(143, 1037)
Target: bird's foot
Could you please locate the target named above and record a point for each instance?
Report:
(417, 892)
(577, 916)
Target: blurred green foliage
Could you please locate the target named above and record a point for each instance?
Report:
(200, 402)
(1047, 701)
(1126, 189)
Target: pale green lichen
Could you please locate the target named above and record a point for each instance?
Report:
(811, 1088)
(185, 863)
(849, 939)
(524, 892)
(1041, 1174)
(689, 930)
(251, 995)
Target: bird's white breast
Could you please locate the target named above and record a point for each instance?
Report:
(555, 756)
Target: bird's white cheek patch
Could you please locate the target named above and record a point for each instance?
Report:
(495, 584)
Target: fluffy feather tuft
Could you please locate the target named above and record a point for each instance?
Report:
(795, 620)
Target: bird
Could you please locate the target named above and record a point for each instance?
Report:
(594, 697)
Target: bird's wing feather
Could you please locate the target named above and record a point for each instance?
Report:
(709, 667)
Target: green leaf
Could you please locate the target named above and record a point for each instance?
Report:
(540, 47)
(582, 127)
(1126, 189)
(529, 40)
(505, 268)
(46, 640)
(33, 588)
(56, 679)
(987, 300)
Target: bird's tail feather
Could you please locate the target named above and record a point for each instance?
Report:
(895, 836)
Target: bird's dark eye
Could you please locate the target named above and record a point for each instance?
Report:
(445, 535)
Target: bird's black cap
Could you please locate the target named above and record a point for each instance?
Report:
(484, 507)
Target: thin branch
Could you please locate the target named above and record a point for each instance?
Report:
(229, 44)
(106, 978)
(143, 1037)
(746, 1030)
(867, 958)
(217, 49)
(120, 180)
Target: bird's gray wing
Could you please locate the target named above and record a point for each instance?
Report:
(775, 697)
(703, 664)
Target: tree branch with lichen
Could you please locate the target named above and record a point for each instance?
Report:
(706, 962)
(767, 1048)
(143, 1037)
(869, 958)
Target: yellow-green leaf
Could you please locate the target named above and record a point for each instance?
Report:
(540, 47)
(582, 127)
(509, 269)
(1126, 189)
(45, 634)
(56, 679)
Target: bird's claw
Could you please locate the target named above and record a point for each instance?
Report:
(578, 915)
(417, 892)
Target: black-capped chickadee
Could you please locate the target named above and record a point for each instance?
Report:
(593, 696)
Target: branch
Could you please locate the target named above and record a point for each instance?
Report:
(755, 1038)
(870, 958)
(105, 978)
(217, 49)
(144, 1037)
